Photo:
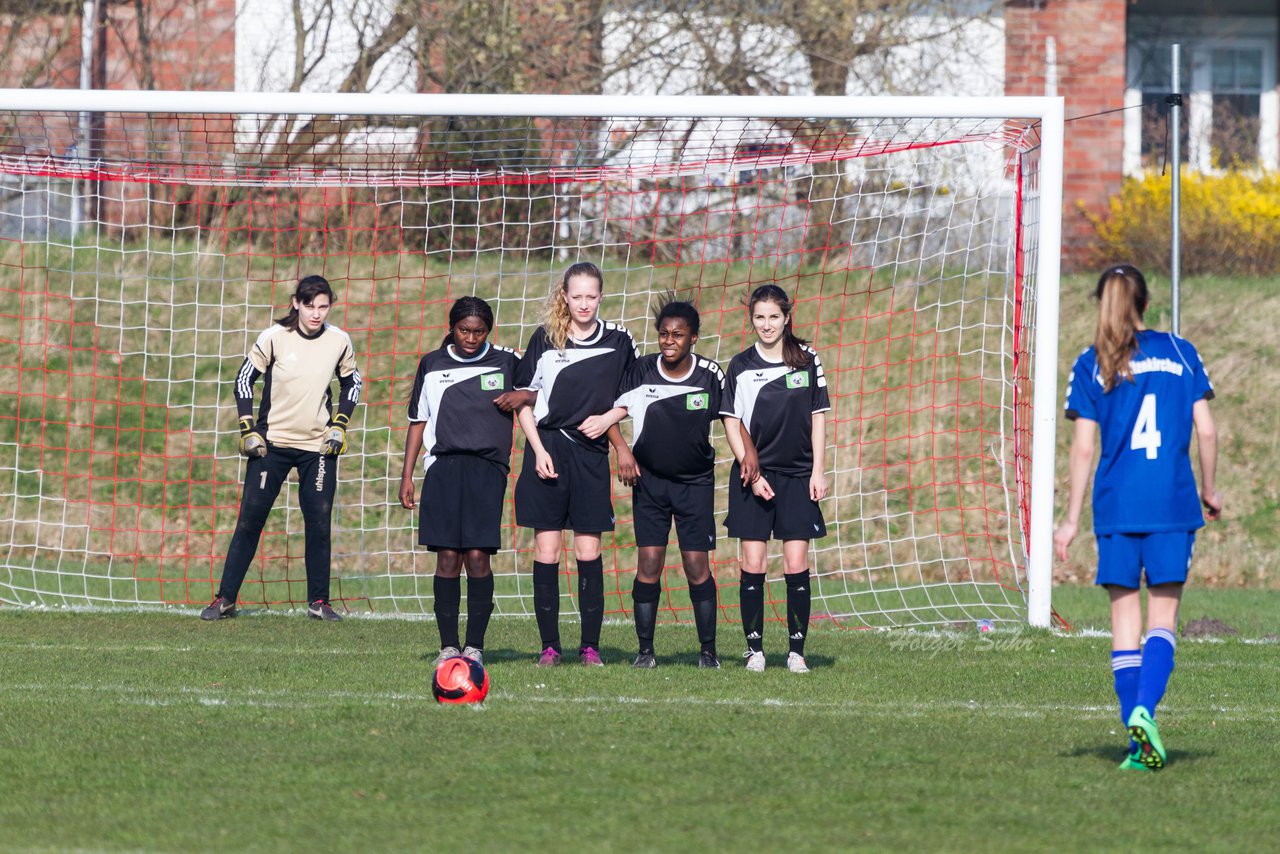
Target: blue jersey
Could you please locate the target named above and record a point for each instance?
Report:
(1144, 482)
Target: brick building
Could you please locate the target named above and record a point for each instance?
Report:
(1111, 61)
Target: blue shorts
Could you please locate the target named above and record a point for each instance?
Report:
(1165, 557)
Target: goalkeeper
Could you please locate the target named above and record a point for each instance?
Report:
(299, 354)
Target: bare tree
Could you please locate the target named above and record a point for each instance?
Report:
(34, 37)
(823, 47)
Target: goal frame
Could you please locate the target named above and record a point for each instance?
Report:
(1048, 111)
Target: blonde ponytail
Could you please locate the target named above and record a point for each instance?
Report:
(1122, 300)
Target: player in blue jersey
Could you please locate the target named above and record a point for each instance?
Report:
(1140, 392)
(459, 412)
(776, 391)
(672, 397)
(574, 363)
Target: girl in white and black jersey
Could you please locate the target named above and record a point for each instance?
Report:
(300, 355)
(673, 396)
(776, 391)
(573, 364)
(460, 413)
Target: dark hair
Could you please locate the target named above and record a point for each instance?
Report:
(668, 306)
(305, 293)
(793, 353)
(463, 308)
(1122, 300)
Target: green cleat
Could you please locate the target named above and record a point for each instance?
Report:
(1142, 729)
(1131, 762)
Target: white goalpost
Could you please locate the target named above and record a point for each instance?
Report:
(141, 253)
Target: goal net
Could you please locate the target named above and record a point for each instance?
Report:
(147, 238)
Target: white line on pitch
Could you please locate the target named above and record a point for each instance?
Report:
(286, 699)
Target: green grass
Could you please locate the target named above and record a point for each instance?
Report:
(154, 731)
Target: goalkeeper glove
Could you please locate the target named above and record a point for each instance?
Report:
(335, 438)
(251, 442)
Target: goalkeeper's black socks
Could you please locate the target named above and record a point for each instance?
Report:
(479, 608)
(703, 598)
(546, 603)
(448, 596)
(591, 600)
(645, 597)
(751, 601)
(799, 601)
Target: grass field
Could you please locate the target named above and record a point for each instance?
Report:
(154, 731)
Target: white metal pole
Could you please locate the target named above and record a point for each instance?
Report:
(88, 27)
(1050, 67)
(1175, 192)
(1044, 398)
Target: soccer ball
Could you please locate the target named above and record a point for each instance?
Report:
(460, 680)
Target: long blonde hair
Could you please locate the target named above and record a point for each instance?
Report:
(1122, 300)
(555, 318)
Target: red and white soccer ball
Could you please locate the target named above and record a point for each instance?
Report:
(460, 680)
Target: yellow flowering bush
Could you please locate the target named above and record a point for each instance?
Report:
(1230, 223)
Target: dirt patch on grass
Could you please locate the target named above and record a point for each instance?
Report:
(1208, 627)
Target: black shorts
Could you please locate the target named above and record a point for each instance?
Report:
(656, 501)
(578, 499)
(790, 515)
(461, 504)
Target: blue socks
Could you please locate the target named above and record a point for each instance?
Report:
(1157, 666)
(1126, 667)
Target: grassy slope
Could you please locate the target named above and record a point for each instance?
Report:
(156, 731)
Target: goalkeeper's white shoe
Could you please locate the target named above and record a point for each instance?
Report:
(755, 660)
(474, 654)
(796, 664)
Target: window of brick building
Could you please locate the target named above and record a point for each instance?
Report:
(1231, 112)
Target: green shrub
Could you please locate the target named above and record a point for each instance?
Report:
(1230, 224)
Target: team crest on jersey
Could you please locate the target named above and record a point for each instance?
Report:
(698, 400)
(800, 379)
(491, 382)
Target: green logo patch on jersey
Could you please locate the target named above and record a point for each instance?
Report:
(697, 401)
(799, 379)
(491, 382)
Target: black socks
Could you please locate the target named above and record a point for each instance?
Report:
(546, 603)
(799, 599)
(751, 602)
(645, 598)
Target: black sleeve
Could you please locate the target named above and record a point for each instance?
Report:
(242, 388)
(349, 394)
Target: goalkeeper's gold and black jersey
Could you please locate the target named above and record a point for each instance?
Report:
(297, 399)
(581, 381)
(776, 404)
(671, 417)
(454, 396)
